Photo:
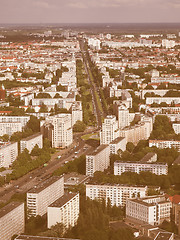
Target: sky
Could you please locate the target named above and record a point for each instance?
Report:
(89, 11)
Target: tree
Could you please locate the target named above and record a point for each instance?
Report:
(43, 108)
(5, 138)
(34, 124)
(36, 151)
(130, 147)
(79, 126)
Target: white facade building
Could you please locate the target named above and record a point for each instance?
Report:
(116, 193)
(15, 119)
(64, 210)
(8, 154)
(117, 144)
(137, 167)
(77, 113)
(10, 127)
(165, 144)
(176, 127)
(123, 116)
(42, 195)
(110, 130)
(30, 142)
(12, 220)
(58, 129)
(151, 210)
(98, 161)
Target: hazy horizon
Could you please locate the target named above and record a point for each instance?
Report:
(83, 11)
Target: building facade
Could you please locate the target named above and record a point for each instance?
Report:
(12, 220)
(117, 193)
(30, 142)
(99, 160)
(65, 210)
(151, 210)
(137, 167)
(165, 144)
(8, 154)
(42, 195)
(110, 130)
(58, 129)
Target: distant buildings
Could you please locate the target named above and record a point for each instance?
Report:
(116, 193)
(151, 210)
(98, 160)
(137, 167)
(12, 220)
(44, 194)
(58, 129)
(10, 127)
(30, 142)
(8, 154)
(64, 210)
(123, 116)
(165, 144)
(146, 164)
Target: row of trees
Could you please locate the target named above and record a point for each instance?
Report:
(85, 94)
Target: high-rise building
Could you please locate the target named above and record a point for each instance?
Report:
(98, 160)
(110, 130)
(12, 220)
(123, 116)
(64, 210)
(30, 142)
(58, 129)
(42, 195)
(8, 154)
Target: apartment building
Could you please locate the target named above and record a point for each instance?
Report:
(151, 210)
(15, 119)
(42, 195)
(176, 127)
(137, 167)
(116, 193)
(159, 100)
(117, 144)
(12, 220)
(165, 144)
(30, 142)
(123, 116)
(64, 210)
(110, 130)
(77, 113)
(10, 127)
(98, 160)
(8, 154)
(140, 131)
(58, 129)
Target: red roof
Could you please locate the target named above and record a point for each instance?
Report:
(175, 199)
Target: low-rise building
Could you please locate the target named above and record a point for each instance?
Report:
(64, 210)
(116, 193)
(42, 195)
(30, 142)
(151, 210)
(176, 127)
(8, 154)
(98, 161)
(137, 167)
(28, 237)
(165, 144)
(12, 220)
(15, 119)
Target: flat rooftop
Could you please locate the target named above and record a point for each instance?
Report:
(8, 208)
(28, 237)
(119, 139)
(98, 150)
(164, 236)
(140, 163)
(63, 200)
(44, 184)
(31, 137)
